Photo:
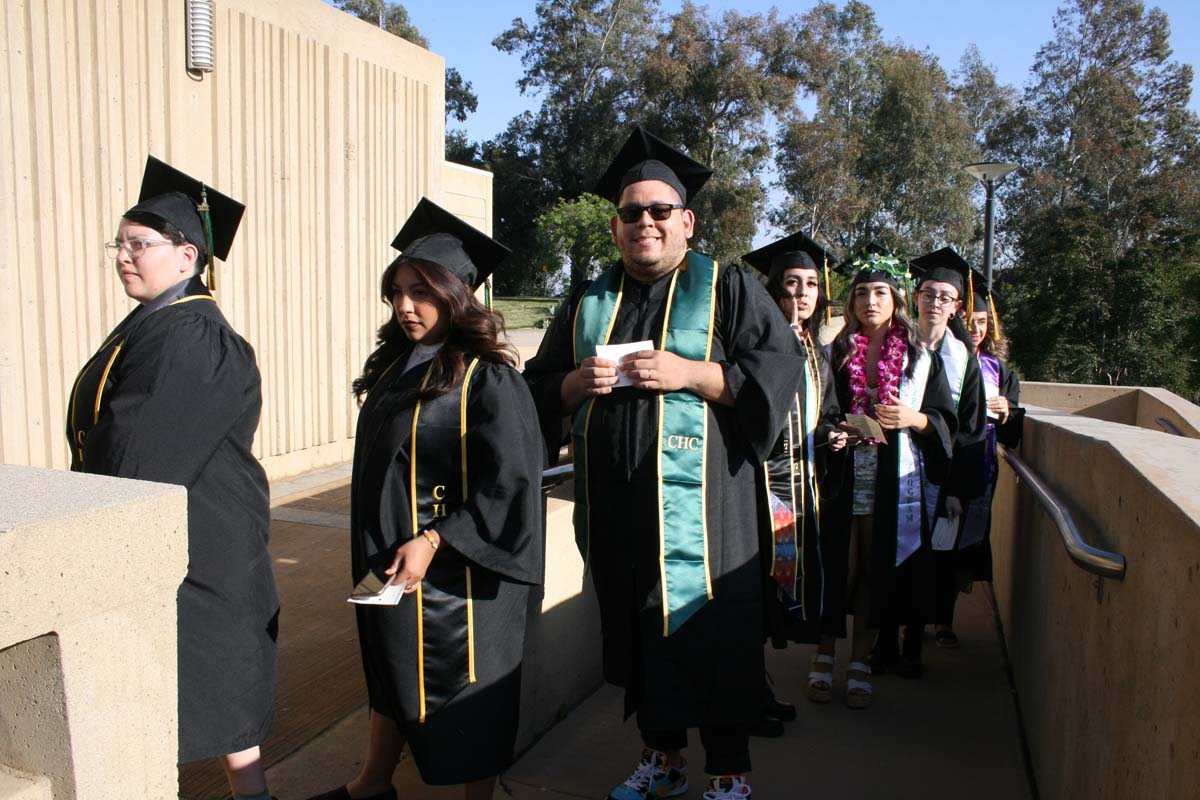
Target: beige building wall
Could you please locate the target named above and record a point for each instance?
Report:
(328, 128)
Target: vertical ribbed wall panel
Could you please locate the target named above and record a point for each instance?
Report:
(327, 128)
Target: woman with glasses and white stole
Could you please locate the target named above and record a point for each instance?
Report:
(174, 396)
(446, 516)
(883, 374)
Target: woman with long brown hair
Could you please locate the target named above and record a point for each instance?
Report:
(881, 371)
(446, 531)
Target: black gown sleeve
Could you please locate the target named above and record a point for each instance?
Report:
(967, 471)
(183, 379)
(499, 527)
(831, 410)
(937, 445)
(544, 374)
(763, 360)
(1009, 434)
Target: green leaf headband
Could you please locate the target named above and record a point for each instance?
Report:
(877, 262)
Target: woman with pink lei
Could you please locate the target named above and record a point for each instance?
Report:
(901, 421)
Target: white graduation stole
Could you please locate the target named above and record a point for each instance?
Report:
(912, 469)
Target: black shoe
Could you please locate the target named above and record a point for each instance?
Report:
(341, 793)
(910, 665)
(785, 712)
(945, 638)
(766, 727)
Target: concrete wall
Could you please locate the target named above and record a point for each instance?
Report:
(88, 664)
(1146, 407)
(1105, 673)
(328, 128)
(562, 665)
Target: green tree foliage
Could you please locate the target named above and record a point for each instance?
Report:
(574, 235)
(392, 17)
(708, 86)
(1104, 220)
(879, 159)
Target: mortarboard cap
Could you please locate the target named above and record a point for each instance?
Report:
(177, 197)
(797, 251)
(431, 233)
(645, 157)
(982, 295)
(944, 265)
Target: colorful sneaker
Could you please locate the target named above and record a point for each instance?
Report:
(653, 778)
(727, 787)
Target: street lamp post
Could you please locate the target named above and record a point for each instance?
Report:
(989, 173)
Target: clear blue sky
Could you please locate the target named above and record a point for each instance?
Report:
(462, 33)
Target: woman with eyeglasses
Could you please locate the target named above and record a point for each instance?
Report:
(882, 373)
(1005, 418)
(446, 518)
(173, 396)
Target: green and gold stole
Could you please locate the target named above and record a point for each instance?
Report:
(437, 460)
(682, 451)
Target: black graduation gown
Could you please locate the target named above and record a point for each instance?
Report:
(710, 670)
(783, 626)
(469, 728)
(935, 448)
(976, 560)
(179, 402)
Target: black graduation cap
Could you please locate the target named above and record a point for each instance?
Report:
(981, 296)
(796, 251)
(944, 265)
(645, 157)
(431, 233)
(207, 218)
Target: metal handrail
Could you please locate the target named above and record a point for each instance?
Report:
(1168, 426)
(557, 475)
(1089, 558)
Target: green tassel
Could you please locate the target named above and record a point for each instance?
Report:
(208, 236)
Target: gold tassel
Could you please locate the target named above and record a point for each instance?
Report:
(828, 291)
(995, 322)
(970, 299)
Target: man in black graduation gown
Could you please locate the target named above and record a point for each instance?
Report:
(682, 631)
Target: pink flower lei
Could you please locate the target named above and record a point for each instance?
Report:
(891, 368)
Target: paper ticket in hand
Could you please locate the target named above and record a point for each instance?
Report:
(866, 427)
(374, 591)
(989, 392)
(615, 352)
(944, 533)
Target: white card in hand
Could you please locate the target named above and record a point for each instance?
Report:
(390, 595)
(989, 392)
(615, 352)
(945, 532)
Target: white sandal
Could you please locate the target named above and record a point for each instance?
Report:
(858, 691)
(820, 684)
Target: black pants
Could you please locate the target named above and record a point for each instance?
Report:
(945, 570)
(726, 747)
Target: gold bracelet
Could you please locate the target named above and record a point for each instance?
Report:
(429, 538)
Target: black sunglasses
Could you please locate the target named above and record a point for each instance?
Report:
(658, 212)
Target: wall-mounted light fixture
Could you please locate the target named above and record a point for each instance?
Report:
(201, 33)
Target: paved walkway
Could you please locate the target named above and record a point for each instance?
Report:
(951, 733)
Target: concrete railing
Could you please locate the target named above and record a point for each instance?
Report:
(1104, 669)
(1144, 406)
(89, 567)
